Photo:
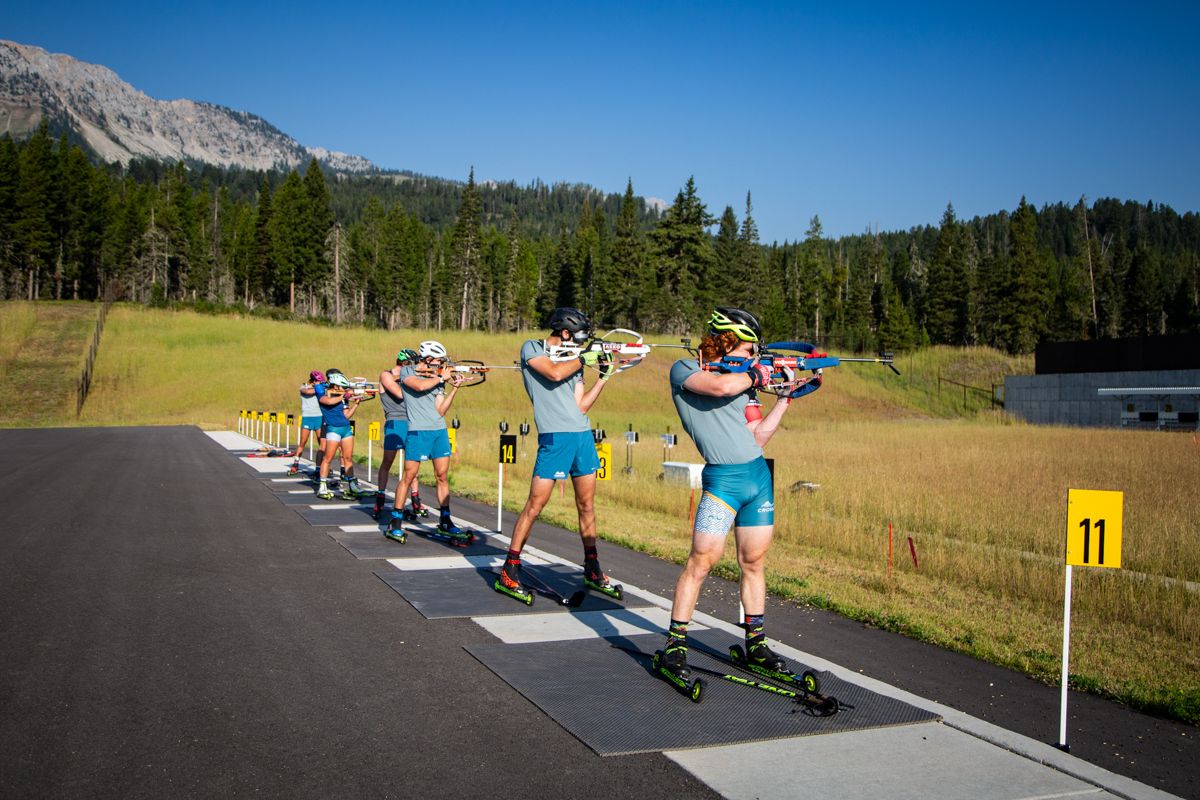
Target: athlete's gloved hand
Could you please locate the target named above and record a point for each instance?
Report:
(760, 375)
(608, 366)
(591, 357)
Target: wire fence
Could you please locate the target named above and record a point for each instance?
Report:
(993, 396)
(84, 382)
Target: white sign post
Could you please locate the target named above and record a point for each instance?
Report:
(1093, 540)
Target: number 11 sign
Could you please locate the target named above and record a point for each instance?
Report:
(1093, 528)
(1093, 540)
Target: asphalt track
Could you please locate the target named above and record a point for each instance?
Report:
(169, 629)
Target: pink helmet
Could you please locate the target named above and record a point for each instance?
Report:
(316, 376)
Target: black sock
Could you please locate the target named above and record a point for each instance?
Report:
(677, 633)
(589, 553)
(445, 512)
(754, 629)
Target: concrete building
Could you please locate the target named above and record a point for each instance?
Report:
(1151, 382)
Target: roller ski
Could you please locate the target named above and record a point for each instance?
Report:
(451, 534)
(595, 580)
(395, 529)
(294, 469)
(509, 583)
(671, 666)
(762, 661)
(324, 492)
(352, 491)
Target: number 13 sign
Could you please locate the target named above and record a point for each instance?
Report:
(1094, 528)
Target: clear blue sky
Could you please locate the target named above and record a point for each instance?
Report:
(869, 114)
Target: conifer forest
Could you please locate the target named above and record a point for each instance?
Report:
(398, 249)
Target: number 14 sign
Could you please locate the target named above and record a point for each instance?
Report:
(1094, 528)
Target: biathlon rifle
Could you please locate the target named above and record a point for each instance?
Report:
(624, 354)
(785, 359)
(359, 387)
(464, 372)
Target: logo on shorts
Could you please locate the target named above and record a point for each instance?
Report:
(767, 507)
(560, 474)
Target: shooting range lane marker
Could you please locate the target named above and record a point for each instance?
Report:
(580, 625)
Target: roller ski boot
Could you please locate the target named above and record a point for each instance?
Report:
(324, 492)
(353, 491)
(761, 660)
(395, 529)
(509, 583)
(671, 666)
(380, 502)
(450, 533)
(294, 469)
(418, 507)
(595, 579)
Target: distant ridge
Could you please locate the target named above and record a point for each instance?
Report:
(120, 123)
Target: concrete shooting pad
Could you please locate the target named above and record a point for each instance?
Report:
(335, 512)
(373, 544)
(609, 699)
(445, 594)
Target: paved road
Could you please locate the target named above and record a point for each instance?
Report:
(169, 629)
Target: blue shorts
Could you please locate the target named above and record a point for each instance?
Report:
(394, 433)
(563, 454)
(311, 423)
(740, 494)
(335, 433)
(426, 445)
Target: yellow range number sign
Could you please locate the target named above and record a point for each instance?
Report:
(373, 431)
(604, 451)
(1094, 528)
(453, 434)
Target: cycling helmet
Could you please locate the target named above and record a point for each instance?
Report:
(316, 376)
(741, 323)
(572, 320)
(431, 349)
(338, 379)
(407, 354)
(329, 373)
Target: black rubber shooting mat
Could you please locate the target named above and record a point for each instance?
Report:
(468, 592)
(609, 700)
(373, 544)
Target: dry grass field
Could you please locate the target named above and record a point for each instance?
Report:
(983, 498)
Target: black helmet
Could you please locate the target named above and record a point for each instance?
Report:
(572, 320)
(741, 323)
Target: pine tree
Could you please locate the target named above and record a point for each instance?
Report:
(747, 268)
(1028, 287)
(684, 262)
(946, 302)
(631, 280)
(32, 229)
(290, 237)
(467, 258)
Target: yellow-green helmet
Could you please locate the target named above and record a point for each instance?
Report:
(741, 323)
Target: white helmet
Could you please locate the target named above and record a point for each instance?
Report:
(338, 379)
(431, 349)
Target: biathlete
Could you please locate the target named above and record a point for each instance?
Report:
(310, 418)
(395, 430)
(565, 444)
(721, 414)
(427, 401)
(339, 436)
